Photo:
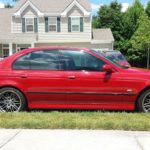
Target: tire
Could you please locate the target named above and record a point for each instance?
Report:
(12, 100)
(143, 103)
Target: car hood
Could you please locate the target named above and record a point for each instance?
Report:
(137, 73)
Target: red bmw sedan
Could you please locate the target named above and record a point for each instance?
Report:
(70, 78)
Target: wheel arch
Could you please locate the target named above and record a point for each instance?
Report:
(143, 90)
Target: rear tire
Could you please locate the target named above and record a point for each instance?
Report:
(12, 100)
(143, 103)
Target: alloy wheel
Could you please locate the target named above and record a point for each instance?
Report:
(10, 101)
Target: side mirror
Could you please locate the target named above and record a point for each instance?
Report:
(107, 68)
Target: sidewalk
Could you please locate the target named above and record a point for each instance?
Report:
(73, 140)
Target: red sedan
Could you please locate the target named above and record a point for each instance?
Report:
(70, 78)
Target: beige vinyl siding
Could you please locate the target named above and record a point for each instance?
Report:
(16, 25)
(64, 35)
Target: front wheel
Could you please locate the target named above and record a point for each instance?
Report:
(11, 100)
(143, 103)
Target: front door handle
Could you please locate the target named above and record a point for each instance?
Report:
(71, 77)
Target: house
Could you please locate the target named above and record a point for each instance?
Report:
(41, 23)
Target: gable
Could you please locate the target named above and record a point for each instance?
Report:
(29, 12)
(78, 6)
(75, 11)
(28, 5)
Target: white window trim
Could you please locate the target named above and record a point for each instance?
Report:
(4, 48)
(71, 23)
(26, 25)
(52, 24)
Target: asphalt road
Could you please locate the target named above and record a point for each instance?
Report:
(20, 139)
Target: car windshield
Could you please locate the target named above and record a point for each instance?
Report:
(115, 57)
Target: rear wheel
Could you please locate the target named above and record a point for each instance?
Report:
(11, 100)
(143, 103)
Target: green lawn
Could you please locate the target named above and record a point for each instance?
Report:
(76, 120)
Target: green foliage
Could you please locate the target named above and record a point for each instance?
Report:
(130, 19)
(141, 40)
(8, 5)
(130, 29)
(111, 17)
(147, 10)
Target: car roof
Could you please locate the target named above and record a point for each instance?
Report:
(56, 48)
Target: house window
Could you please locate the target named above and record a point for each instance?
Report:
(52, 23)
(29, 24)
(75, 24)
(5, 50)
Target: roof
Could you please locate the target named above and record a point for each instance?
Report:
(54, 6)
(102, 35)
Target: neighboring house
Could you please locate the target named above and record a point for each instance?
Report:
(41, 23)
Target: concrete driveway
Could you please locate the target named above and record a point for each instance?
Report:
(73, 140)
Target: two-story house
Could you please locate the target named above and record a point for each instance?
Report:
(41, 23)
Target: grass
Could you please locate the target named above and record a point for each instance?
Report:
(76, 120)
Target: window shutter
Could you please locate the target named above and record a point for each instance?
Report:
(58, 24)
(23, 24)
(35, 25)
(69, 24)
(81, 24)
(46, 24)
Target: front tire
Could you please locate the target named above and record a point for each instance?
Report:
(12, 100)
(143, 103)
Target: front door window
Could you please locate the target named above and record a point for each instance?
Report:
(79, 60)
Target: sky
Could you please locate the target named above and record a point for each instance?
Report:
(95, 3)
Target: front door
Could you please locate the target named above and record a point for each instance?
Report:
(87, 84)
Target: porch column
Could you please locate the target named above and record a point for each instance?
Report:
(10, 49)
(32, 45)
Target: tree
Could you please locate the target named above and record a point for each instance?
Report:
(140, 41)
(110, 16)
(130, 19)
(147, 10)
(8, 5)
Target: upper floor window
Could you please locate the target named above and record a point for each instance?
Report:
(75, 24)
(29, 24)
(52, 23)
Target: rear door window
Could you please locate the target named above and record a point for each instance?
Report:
(39, 60)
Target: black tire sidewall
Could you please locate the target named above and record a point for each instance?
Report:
(140, 101)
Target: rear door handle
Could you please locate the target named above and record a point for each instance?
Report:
(71, 77)
(23, 76)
